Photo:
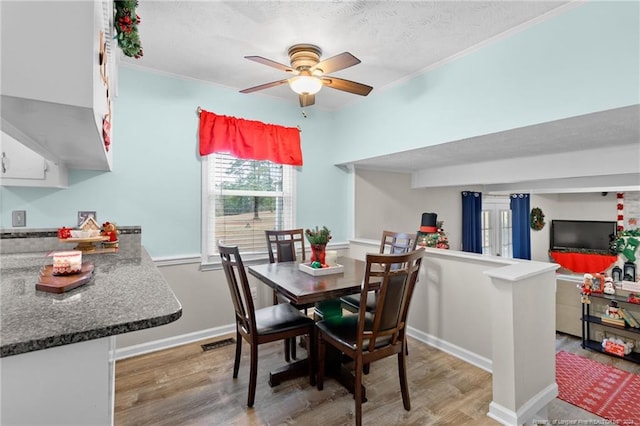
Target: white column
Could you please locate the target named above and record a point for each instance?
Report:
(523, 341)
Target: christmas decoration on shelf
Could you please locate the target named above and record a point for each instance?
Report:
(126, 23)
(437, 239)
(627, 243)
(109, 229)
(537, 219)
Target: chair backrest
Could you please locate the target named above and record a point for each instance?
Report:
(397, 242)
(394, 277)
(238, 287)
(283, 245)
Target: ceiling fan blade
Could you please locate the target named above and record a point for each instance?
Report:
(337, 63)
(270, 63)
(307, 100)
(346, 85)
(264, 86)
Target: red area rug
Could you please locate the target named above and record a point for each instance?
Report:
(606, 391)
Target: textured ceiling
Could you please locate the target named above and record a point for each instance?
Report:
(207, 40)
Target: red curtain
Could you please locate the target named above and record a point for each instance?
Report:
(249, 139)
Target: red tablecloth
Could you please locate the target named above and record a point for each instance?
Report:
(584, 262)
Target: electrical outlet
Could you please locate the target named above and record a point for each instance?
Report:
(254, 294)
(19, 218)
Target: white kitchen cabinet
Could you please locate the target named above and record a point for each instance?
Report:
(23, 167)
(70, 385)
(54, 91)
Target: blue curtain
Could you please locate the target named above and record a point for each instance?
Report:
(472, 221)
(520, 221)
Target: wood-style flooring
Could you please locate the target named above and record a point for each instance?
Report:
(188, 386)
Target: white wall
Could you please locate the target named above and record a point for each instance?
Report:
(580, 206)
(385, 200)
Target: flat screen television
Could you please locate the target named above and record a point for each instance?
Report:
(582, 235)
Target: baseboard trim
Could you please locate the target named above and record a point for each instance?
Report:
(170, 342)
(451, 349)
(528, 411)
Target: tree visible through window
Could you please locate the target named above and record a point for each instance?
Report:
(243, 198)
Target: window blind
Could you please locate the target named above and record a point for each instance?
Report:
(242, 199)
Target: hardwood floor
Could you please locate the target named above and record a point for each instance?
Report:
(189, 386)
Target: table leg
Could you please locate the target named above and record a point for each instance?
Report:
(289, 371)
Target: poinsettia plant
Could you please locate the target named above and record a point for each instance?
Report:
(318, 236)
(126, 23)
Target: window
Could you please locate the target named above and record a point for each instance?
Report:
(496, 227)
(241, 198)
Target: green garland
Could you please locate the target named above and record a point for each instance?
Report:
(126, 23)
(537, 219)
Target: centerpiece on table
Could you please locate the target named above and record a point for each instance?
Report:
(318, 238)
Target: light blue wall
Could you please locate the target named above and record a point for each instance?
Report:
(584, 60)
(156, 181)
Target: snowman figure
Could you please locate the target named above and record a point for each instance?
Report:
(613, 311)
(609, 288)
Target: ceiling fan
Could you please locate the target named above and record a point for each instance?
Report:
(310, 74)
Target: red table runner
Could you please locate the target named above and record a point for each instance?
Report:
(584, 262)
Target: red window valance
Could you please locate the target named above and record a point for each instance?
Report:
(249, 139)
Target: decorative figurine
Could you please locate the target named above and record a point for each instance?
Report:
(609, 288)
(613, 311)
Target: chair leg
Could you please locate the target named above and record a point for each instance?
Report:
(253, 373)
(236, 362)
(311, 358)
(357, 391)
(402, 372)
(365, 368)
(320, 361)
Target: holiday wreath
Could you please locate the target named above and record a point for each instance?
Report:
(537, 219)
(126, 23)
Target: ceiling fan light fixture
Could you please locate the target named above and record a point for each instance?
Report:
(305, 84)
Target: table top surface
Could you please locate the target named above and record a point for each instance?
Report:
(303, 288)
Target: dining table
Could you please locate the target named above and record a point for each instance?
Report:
(324, 291)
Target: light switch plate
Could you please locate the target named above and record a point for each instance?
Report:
(19, 218)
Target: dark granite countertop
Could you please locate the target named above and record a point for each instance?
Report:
(125, 294)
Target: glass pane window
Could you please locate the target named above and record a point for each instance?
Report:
(486, 232)
(243, 198)
(496, 227)
(506, 243)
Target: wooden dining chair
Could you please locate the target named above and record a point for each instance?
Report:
(392, 243)
(284, 246)
(366, 337)
(258, 326)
